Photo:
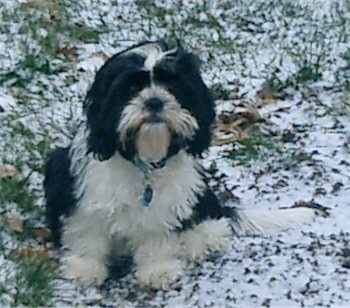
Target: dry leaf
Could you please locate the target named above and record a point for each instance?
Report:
(320, 209)
(100, 55)
(39, 4)
(267, 94)
(15, 221)
(217, 141)
(9, 171)
(14, 91)
(38, 253)
(235, 126)
(42, 234)
(251, 113)
(71, 53)
(269, 101)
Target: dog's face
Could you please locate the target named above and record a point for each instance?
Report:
(147, 103)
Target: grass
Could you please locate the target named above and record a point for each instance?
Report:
(256, 147)
(46, 31)
(261, 148)
(32, 282)
(46, 38)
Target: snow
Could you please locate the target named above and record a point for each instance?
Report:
(300, 267)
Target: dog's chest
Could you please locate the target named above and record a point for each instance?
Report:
(114, 191)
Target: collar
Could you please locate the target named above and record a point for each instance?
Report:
(145, 168)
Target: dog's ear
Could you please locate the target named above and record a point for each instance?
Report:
(101, 116)
(205, 118)
(104, 103)
(188, 62)
(202, 102)
(101, 126)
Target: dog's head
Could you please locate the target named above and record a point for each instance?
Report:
(147, 103)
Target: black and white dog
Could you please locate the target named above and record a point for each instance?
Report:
(130, 184)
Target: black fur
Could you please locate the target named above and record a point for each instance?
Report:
(115, 84)
(58, 185)
(208, 206)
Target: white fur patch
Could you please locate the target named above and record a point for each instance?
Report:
(153, 140)
(160, 275)
(157, 262)
(152, 53)
(86, 270)
(256, 221)
(209, 236)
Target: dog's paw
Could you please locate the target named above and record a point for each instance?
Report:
(218, 234)
(161, 275)
(85, 271)
(209, 236)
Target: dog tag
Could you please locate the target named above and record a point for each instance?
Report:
(147, 195)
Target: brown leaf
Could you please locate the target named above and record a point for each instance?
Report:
(9, 171)
(42, 234)
(267, 94)
(243, 135)
(15, 91)
(71, 53)
(320, 209)
(14, 221)
(251, 113)
(235, 126)
(100, 55)
(38, 253)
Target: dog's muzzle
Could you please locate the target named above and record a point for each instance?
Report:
(154, 105)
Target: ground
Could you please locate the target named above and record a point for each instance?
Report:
(279, 71)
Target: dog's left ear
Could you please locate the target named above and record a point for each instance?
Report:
(202, 103)
(101, 118)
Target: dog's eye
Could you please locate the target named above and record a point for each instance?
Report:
(135, 81)
(166, 75)
(135, 88)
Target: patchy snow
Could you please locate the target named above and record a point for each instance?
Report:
(307, 267)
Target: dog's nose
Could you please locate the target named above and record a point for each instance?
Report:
(154, 104)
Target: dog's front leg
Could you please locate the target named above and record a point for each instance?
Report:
(157, 262)
(87, 246)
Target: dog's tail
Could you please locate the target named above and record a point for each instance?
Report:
(255, 221)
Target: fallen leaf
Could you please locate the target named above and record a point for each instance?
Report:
(100, 55)
(38, 253)
(14, 221)
(232, 127)
(267, 94)
(42, 234)
(9, 171)
(217, 141)
(15, 91)
(71, 53)
(320, 209)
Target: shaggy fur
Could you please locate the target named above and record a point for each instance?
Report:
(130, 185)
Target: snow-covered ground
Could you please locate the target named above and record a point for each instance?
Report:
(301, 154)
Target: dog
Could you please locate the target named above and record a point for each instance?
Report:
(131, 186)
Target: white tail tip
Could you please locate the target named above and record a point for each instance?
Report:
(253, 221)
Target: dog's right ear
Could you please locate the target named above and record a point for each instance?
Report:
(101, 140)
(101, 116)
(103, 102)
